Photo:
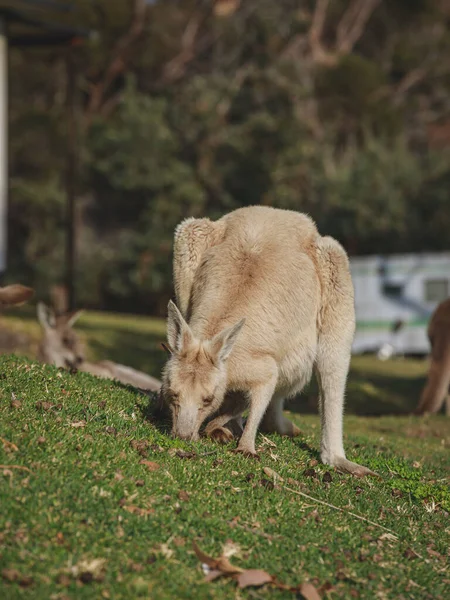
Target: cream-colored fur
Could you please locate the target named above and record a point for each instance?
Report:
(62, 347)
(264, 301)
(437, 389)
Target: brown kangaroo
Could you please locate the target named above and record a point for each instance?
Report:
(14, 294)
(61, 346)
(436, 390)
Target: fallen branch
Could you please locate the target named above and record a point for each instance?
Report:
(347, 512)
(15, 467)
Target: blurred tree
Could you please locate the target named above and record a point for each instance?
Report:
(192, 108)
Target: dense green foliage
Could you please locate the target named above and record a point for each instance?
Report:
(344, 117)
(82, 516)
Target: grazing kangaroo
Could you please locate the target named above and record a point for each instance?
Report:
(437, 390)
(61, 346)
(14, 294)
(263, 300)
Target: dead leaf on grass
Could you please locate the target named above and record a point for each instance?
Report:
(253, 578)
(15, 403)
(10, 575)
(221, 564)
(271, 473)
(182, 495)
(78, 424)
(137, 510)
(309, 592)
(40, 405)
(217, 567)
(151, 466)
(140, 446)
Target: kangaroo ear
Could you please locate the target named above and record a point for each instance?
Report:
(46, 316)
(73, 317)
(166, 348)
(15, 294)
(179, 334)
(222, 344)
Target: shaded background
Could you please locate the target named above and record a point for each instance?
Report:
(191, 108)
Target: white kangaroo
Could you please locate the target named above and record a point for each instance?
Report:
(263, 300)
(61, 346)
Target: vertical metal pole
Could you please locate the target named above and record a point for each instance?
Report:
(3, 145)
(71, 183)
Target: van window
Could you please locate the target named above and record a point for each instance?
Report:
(436, 290)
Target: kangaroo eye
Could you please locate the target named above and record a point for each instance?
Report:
(208, 400)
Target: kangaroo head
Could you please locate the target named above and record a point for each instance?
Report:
(195, 376)
(14, 294)
(60, 345)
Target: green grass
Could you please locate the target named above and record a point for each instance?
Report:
(74, 502)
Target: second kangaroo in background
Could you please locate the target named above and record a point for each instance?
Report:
(437, 388)
(61, 346)
(263, 300)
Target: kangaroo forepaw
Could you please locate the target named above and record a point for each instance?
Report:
(221, 435)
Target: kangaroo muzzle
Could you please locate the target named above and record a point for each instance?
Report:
(185, 424)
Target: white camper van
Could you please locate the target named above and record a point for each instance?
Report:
(394, 298)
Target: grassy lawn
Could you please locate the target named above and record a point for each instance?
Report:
(82, 517)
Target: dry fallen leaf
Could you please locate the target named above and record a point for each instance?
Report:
(14, 402)
(217, 567)
(136, 510)
(253, 577)
(271, 473)
(140, 446)
(10, 575)
(221, 564)
(77, 424)
(182, 495)
(309, 592)
(151, 466)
